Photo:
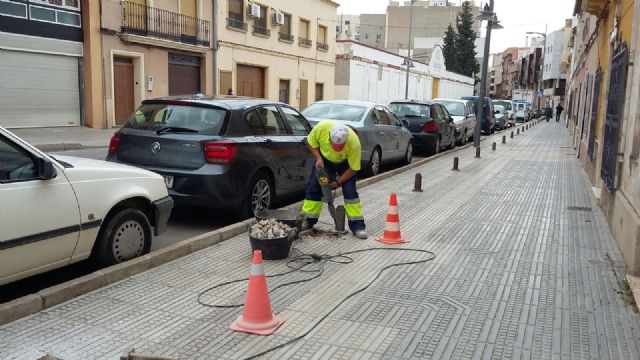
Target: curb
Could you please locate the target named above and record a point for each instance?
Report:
(46, 298)
(67, 146)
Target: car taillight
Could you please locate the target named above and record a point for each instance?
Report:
(430, 127)
(113, 144)
(486, 113)
(220, 152)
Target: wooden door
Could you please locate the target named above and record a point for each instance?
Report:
(188, 8)
(226, 82)
(304, 94)
(123, 89)
(250, 81)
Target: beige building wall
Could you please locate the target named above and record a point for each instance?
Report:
(281, 59)
(428, 22)
(104, 40)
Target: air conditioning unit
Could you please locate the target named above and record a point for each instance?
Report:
(253, 11)
(278, 18)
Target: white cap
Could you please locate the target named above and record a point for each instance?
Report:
(338, 136)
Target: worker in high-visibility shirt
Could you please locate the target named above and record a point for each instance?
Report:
(336, 148)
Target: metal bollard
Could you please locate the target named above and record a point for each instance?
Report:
(417, 183)
(340, 215)
(518, 131)
(478, 152)
(455, 163)
(493, 146)
(504, 139)
(512, 134)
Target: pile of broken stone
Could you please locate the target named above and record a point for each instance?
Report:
(269, 229)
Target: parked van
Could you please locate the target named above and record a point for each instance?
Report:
(488, 118)
(521, 111)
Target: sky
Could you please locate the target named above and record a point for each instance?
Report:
(517, 17)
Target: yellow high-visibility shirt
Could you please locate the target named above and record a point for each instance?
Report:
(352, 152)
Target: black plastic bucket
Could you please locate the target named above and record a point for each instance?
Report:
(272, 249)
(285, 216)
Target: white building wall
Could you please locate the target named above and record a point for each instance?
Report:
(385, 80)
(553, 55)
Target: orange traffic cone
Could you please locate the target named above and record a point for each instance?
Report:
(392, 225)
(257, 317)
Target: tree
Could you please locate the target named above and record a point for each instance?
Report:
(465, 41)
(449, 50)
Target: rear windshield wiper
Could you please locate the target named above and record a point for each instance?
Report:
(414, 116)
(175, 129)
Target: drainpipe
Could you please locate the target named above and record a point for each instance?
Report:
(214, 40)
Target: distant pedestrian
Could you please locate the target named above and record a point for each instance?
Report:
(559, 110)
(548, 112)
(229, 91)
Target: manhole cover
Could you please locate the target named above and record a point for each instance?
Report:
(579, 208)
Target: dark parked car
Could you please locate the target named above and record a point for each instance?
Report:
(430, 123)
(233, 153)
(488, 116)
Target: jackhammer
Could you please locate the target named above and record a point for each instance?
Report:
(338, 214)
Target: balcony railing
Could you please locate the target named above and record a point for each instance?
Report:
(304, 42)
(236, 24)
(144, 20)
(322, 46)
(257, 29)
(285, 37)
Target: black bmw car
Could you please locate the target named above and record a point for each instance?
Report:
(223, 152)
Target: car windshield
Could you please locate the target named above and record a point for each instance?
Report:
(455, 108)
(498, 108)
(505, 104)
(411, 110)
(177, 118)
(344, 112)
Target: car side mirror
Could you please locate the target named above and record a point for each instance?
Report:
(450, 119)
(46, 170)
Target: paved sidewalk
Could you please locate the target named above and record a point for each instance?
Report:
(520, 272)
(66, 138)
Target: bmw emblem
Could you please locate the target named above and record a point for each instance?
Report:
(155, 147)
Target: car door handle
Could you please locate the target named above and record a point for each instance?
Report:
(269, 142)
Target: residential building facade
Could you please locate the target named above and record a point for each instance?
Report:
(603, 92)
(137, 49)
(554, 75)
(41, 61)
(277, 49)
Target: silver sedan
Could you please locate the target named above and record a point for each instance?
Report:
(383, 137)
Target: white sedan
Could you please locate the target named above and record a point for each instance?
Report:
(59, 210)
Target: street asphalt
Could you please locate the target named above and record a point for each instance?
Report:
(521, 270)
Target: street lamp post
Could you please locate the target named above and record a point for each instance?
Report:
(408, 59)
(492, 22)
(544, 50)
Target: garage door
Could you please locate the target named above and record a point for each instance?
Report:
(250, 80)
(184, 74)
(38, 90)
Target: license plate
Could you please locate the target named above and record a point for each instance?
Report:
(168, 180)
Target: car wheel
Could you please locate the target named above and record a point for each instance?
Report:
(259, 197)
(408, 155)
(373, 168)
(436, 147)
(124, 236)
(463, 138)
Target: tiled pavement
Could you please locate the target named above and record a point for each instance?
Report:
(517, 275)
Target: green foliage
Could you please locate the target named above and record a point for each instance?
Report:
(449, 50)
(465, 41)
